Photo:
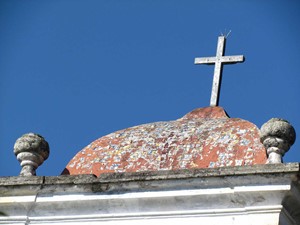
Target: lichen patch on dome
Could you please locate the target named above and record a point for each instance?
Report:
(204, 138)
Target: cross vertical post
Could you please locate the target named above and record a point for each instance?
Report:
(218, 60)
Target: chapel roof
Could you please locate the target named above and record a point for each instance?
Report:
(203, 138)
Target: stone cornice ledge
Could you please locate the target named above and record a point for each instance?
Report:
(249, 195)
(276, 174)
(285, 168)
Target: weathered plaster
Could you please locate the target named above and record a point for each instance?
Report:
(204, 138)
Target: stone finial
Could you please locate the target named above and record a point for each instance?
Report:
(31, 151)
(277, 135)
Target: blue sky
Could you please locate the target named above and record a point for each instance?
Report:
(74, 71)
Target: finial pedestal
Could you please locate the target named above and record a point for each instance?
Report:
(277, 135)
(31, 151)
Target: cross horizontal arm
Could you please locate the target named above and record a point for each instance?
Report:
(205, 60)
(223, 59)
(232, 59)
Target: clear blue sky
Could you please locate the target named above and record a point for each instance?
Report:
(74, 71)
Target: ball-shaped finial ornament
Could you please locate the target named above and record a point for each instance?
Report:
(277, 135)
(31, 151)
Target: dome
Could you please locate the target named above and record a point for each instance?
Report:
(203, 138)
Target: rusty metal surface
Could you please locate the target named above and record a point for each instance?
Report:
(204, 138)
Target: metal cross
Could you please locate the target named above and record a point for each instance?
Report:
(219, 60)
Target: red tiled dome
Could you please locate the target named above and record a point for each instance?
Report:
(205, 137)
